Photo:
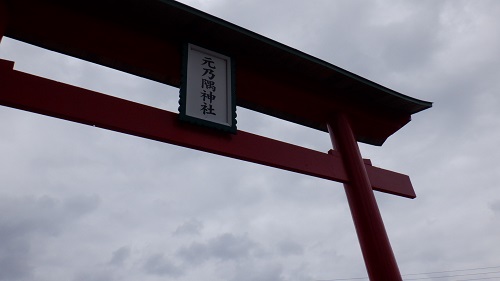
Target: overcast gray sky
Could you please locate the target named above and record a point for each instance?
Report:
(85, 204)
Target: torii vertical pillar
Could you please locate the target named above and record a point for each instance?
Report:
(375, 246)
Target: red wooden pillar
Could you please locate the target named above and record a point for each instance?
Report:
(375, 246)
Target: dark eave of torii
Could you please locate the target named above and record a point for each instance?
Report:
(146, 38)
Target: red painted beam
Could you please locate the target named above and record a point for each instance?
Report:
(28, 92)
(390, 182)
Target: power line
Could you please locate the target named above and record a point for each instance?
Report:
(448, 271)
(457, 275)
(435, 272)
(344, 279)
(484, 278)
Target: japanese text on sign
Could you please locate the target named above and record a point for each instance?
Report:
(207, 92)
(208, 84)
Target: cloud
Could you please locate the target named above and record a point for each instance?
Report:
(495, 207)
(95, 275)
(230, 247)
(288, 248)
(261, 272)
(225, 247)
(29, 219)
(191, 227)
(158, 264)
(14, 260)
(120, 256)
(194, 254)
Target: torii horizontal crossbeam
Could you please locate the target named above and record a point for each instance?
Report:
(40, 95)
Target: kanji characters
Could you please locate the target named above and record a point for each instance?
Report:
(208, 84)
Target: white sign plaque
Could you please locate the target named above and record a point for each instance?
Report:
(207, 92)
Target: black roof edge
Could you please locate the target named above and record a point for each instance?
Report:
(420, 104)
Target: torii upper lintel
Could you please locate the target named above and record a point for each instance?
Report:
(145, 38)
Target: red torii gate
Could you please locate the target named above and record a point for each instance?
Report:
(145, 38)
